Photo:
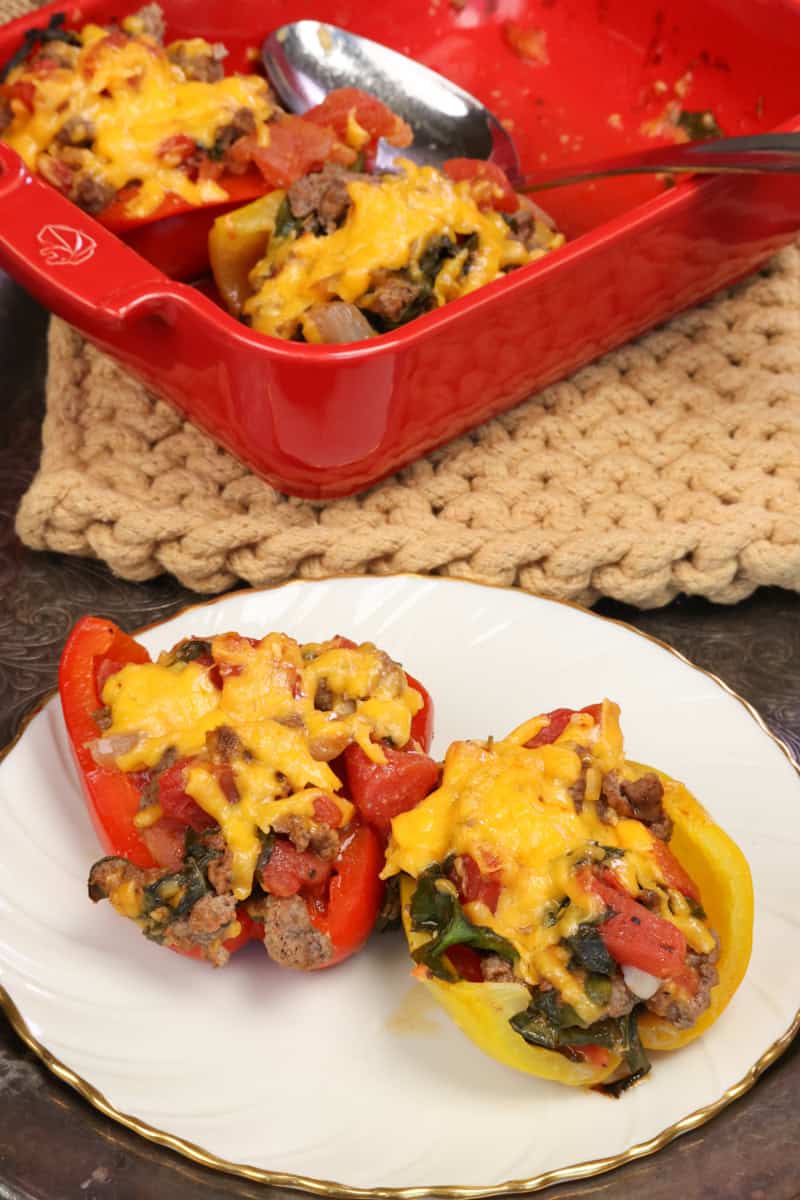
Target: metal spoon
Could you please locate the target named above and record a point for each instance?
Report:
(307, 59)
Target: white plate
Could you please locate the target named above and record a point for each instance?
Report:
(349, 1075)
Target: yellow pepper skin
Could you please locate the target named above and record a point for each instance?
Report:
(717, 866)
(237, 241)
(720, 870)
(482, 1011)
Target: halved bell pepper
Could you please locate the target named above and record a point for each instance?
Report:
(701, 861)
(95, 650)
(345, 898)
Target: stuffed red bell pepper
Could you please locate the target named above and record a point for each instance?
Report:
(133, 130)
(215, 779)
(570, 908)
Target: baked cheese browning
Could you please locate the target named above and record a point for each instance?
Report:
(535, 822)
(394, 246)
(276, 711)
(109, 109)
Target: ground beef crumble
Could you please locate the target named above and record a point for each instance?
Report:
(641, 799)
(289, 937)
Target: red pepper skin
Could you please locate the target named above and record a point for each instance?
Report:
(422, 723)
(112, 796)
(354, 894)
(290, 871)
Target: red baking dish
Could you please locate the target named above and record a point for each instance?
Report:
(322, 421)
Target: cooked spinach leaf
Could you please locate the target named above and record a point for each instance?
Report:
(389, 912)
(597, 988)
(198, 851)
(589, 950)
(435, 908)
(548, 1023)
(285, 223)
(434, 255)
(177, 892)
(52, 32)
(191, 649)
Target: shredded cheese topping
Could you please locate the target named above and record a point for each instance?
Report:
(134, 100)
(392, 221)
(511, 810)
(267, 698)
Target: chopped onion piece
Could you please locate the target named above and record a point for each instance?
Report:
(339, 322)
(640, 983)
(106, 750)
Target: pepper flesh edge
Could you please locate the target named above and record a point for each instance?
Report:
(720, 870)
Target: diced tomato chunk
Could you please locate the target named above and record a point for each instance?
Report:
(327, 812)
(114, 41)
(296, 146)
(636, 937)
(23, 90)
(166, 841)
(673, 872)
(557, 722)
(490, 184)
(343, 643)
(381, 791)
(472, 885)
(104, 669)
(596, 1055)
(176, 149)
(376, 120)
(467, 962)
(290, 870)
(176, 803)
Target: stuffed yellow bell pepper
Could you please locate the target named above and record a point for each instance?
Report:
(570, 908)
(341, 255)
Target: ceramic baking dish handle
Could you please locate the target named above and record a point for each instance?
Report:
(68, 261)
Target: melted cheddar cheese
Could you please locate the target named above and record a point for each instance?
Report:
(511, 809)
(392, 221)
(133, 100)
(284, 741)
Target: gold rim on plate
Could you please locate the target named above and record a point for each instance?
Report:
(322, 1187)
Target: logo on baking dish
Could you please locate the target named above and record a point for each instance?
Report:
(63, 246)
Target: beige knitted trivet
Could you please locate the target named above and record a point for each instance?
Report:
(672, 465)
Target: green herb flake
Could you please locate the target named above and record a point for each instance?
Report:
(554, 910)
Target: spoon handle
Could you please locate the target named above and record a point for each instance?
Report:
(753, 155)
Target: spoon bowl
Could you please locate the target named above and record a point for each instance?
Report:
(305, 60)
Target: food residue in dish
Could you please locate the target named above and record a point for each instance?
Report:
(528, 43)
